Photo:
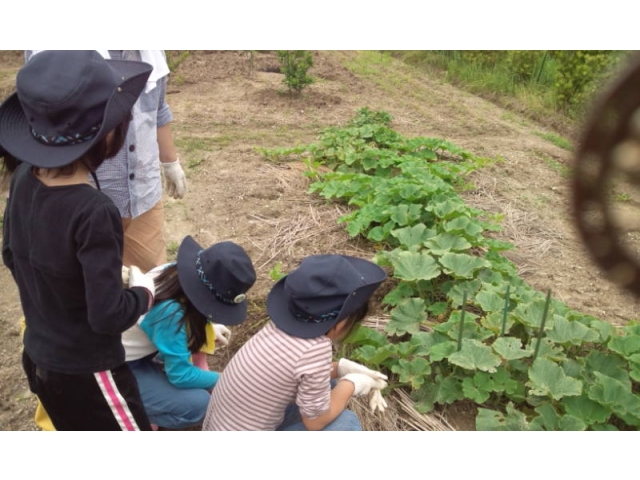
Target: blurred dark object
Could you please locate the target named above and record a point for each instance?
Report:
(606, 181)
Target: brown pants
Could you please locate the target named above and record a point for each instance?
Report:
(144, 242)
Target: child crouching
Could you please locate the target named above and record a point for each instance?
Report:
(281, 378)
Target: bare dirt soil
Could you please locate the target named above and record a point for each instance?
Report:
(226, 104)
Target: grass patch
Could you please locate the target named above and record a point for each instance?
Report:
(557, 140)
(172, 250)
(563, 170)
(192, 144)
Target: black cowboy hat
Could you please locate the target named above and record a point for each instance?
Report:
(323, 290)
(65, 102)
(216, 279)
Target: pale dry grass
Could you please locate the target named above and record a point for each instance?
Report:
(534, 239)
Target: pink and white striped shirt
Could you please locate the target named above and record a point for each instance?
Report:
(270, 371)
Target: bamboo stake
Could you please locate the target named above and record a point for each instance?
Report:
(544, 318)
(464, 304)
(505, 311)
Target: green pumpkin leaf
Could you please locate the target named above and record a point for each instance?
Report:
(415, 235)
(446, 242)
(634, 369)
(456, 293)
(614, 394)
(470, 329)
(413, 266)
(405, 214)
(531, 313)
(565, 331)
(604, 329)
(442, 350)
(510, 348)
(569, 423)
(607, 364)
(463, 225)
(633, 327)
(492, 420)
(447, 209)
(400, 292)
(443, 390)
(493, 322)
(474, 392)
(625, 345)
(406, 317)
(548, 379)
(603, 428)
(547, 418)
(586, 409)
(548, 349)
(373, 355)
(423, 341)
(379, 233)
(474, 355)
(438, 308)
(361, 335)
(462, 265)
(489, 301)
(414, 372)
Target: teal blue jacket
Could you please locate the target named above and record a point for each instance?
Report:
(162, 326)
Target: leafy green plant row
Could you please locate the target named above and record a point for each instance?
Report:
(463, 324)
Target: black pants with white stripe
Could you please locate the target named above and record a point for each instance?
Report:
(108, 400)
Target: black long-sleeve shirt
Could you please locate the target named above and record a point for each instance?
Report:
(63, 245)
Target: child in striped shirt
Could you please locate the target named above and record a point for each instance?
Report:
(281, 379)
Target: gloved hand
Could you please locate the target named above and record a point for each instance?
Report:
(376, 402)
(175, 181)
(346, 366)
(125, 275)
(363, 383)
(223, 334)
(139, 279)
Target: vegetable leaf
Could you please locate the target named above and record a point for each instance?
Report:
(548, 379)
(474, 355)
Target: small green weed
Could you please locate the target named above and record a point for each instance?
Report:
(557, 140)
(276, 272)
(621, 197)
(172, 249)
(191, 144)
(563, 170)
(195, 162)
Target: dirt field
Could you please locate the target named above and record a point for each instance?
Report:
(224, 108)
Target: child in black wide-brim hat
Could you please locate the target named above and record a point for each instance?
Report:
(281, 379)
(196, 298)
(63, 240)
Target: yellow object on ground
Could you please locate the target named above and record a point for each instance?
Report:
(210, 346)
(41, 417)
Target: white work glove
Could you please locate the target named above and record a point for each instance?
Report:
(175, 181)
(223, 334)
(125, 275)
(139, 279)
(363, 383)
(376, 402)
(346, 366)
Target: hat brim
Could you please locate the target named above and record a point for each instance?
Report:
(15, 131)
(278, 302)
(197, 292)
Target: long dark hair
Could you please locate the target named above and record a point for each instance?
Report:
(168, 288)
(352, 320)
